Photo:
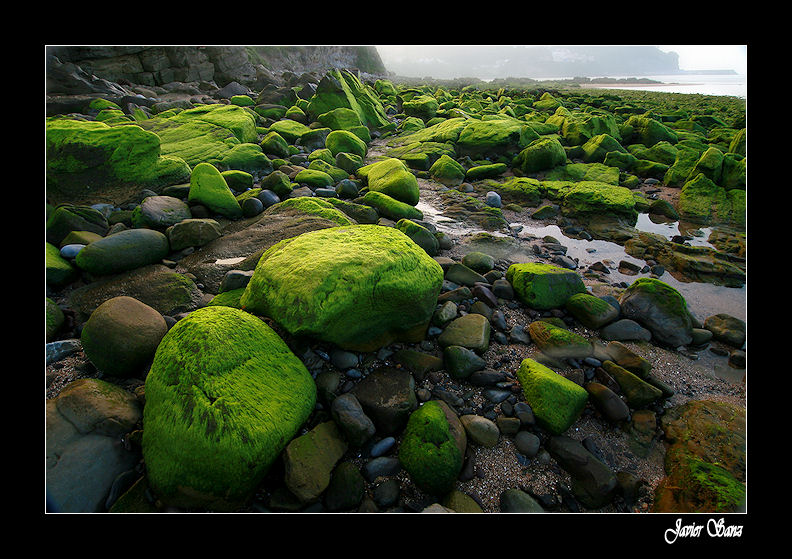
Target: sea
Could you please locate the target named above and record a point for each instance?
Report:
(735, 85)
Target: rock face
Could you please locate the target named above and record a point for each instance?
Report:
(158, 65)
(223, 397)
(321, 284)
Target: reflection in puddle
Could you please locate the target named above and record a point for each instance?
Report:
(704, 299)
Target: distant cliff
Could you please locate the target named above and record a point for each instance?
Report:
(158, 65)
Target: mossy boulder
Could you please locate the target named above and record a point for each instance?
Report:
(340, 118)
(539, 155)
(420, 235)
(494, 137)
(359, 287)
(58, 271)
(89, 158)
(637, 392)
(274, 144)
(339, 141)
(703, 201)
(447, 171)
(313, 206)
(122, 335)
(524, 191)
(597, 147)
(223, 398)
(314, 178)
(659, 308)
(203, 134)
(489, 171)
(308, 460)
(421, 106)
(123, 251)
(649, 131)
(209, 188)
(591, 311)
(575, 172)
(556, 402)
(591, 198)
(393, 178)
(578, 127)
(389, 207)
(558, 342)
(544, 286)
(705, 461)
(343, 89)
(289, 130)
(247, 157)
(710, 164)
(67, 218)
(429, 451)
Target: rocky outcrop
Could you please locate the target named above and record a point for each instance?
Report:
(90, 69)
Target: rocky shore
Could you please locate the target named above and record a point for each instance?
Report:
(319, 298)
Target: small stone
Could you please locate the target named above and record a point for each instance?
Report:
(527, 443)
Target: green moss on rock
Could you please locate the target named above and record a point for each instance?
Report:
(359, 287)
(428, 451)
(223, 398)
(555, 401)
(544, 286)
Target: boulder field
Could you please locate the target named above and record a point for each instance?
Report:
(253, 304)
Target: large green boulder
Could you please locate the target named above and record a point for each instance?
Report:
(432, 448)
(209, 188)
(320, 207)
(339, 141)
(648, 131)
(421, 106)
(556, 401)
(595, 149)
(541, 154)
(123, 251)
(204, 134)
(393, 178)
(84, 158)
(544, 286)
(340, 118)
(659, 308)
(591, 198)
(341, 88)
(710, 164)
(703, 201)
(578, 127)
(274, 144)
(447, 171)
(524, 191)
(224, 396)
(122, 335)
(290, 130)
(247, 157)
(360, 287)
(494, 137)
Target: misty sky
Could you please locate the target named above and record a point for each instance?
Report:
(691, 57)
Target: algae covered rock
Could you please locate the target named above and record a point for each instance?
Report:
(588, 198)
(494, 137)
(705, 462)
(556, 402)
(86, 156)
(359, 287)
(344, 141)
(591, 311)
(544, 286)
(429, 450)
(223, 398)
(558, 342)
(660, 308)
(122, 335)
(58, 270)
(541, 154)
(389, 207)
(391, 177)
(209, 188)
